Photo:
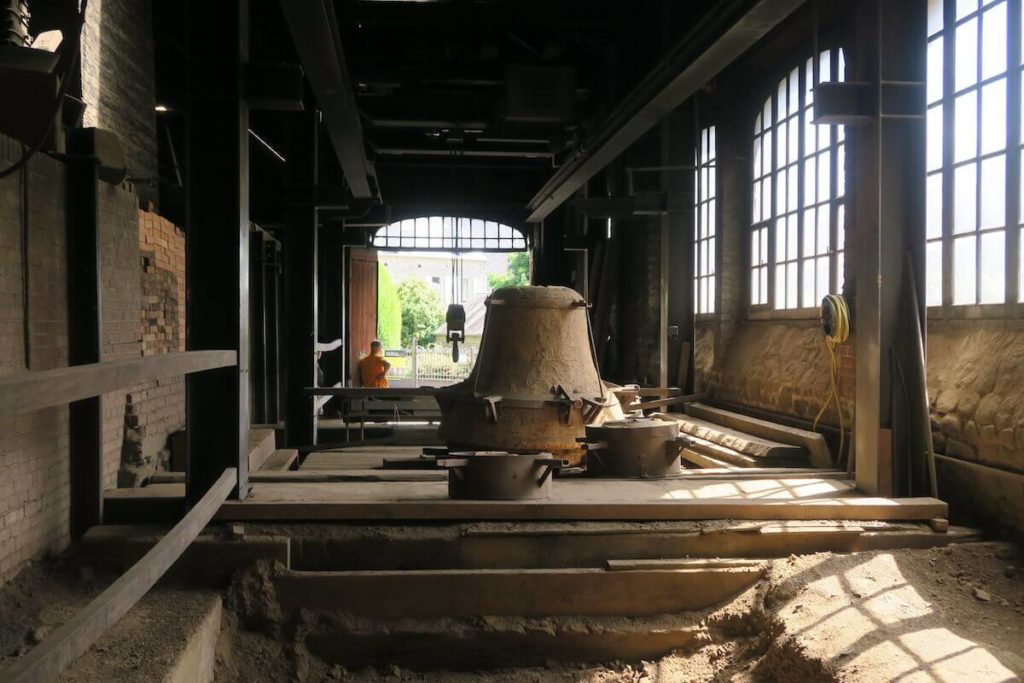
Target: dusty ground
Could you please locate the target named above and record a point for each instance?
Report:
(947, 614)
(140, 648)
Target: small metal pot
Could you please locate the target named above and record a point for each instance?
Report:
(497, 475)
(636, 447)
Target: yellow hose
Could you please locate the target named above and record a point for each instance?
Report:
(839, 334)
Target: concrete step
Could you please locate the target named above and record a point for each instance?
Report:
(169, 636)
(492, 643)
(153, 504)
(459, 593)
(210, 560)
(495, 545)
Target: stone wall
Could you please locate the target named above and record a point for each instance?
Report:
(976, 388)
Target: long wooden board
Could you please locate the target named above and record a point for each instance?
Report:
(69, 642)
(815, 444)
(28, 391)
(856, 509)
(748, 444)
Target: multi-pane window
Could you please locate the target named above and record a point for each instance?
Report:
(449, 234)
(973, 152)
(797, 228)
(704, 223)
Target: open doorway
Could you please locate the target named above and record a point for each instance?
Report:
(424, 266)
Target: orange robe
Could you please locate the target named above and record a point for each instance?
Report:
(373, 373)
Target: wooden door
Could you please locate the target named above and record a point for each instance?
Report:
(362, 304)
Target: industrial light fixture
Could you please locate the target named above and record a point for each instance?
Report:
(162, 108)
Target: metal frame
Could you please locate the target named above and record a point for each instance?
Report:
(946, 168)
(705, 221)
(454, 234)
(772, 166)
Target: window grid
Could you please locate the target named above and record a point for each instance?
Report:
(446, 233)
(798, 230)
(764, 161)
(973, 152)
(705, 223)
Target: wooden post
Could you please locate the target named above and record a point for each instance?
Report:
(217, 241)
(300, 277)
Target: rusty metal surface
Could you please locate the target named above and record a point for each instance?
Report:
(536, 384)
(497, 475)
(633, 447)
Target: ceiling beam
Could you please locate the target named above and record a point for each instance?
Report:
(670, 84)
(314, 30)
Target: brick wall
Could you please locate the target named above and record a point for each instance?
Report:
(118, 81)
(34, 489)
(139, 252)
(122, 300)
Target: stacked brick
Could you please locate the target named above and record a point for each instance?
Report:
(153, 411)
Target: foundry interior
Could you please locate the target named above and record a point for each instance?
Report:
(511, 340)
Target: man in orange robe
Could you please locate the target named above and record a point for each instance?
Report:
(373, 369)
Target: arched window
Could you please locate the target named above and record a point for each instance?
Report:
(973, 153)
(798, 221)
(447, 233)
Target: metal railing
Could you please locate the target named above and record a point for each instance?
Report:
(429, 365)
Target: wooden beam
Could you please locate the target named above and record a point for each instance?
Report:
(855, 509)
(28, 391)
(61, 648)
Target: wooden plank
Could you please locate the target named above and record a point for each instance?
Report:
(705, 461)
(747, 444)
(854, 509)
(722, 453)
(370, 392)
(321, 476)
(262, 443)
(280, 461)
(813, 442)
(511, 592)
(69, 642)
(683, 563)
(25, 392)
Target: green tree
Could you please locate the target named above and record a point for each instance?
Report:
(518, 272)
(389, 310)
(422, 311)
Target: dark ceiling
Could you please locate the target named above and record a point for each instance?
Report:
(467, 106)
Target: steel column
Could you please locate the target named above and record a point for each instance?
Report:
(300, 277)
(888, 202)
(217, 242)
(85, 417)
